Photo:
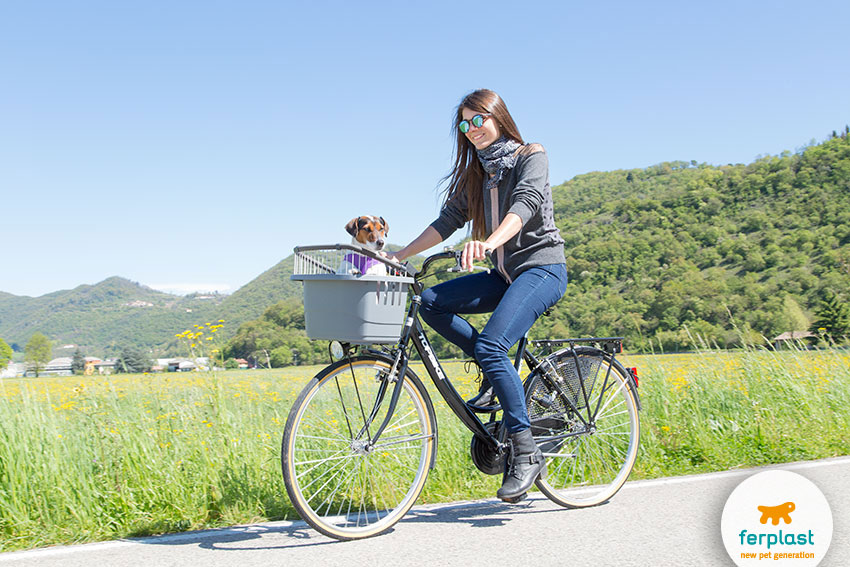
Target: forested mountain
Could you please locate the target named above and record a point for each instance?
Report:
(677, 245)
(250, 300)
(727, 253)
(102, 318)
(108, 316)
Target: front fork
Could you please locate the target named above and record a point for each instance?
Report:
(400, 363)
(398, 369)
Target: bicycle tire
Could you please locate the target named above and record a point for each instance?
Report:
(590, 466)
(340, 486)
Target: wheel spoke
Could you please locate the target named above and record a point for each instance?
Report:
(340, 470)
(344, 486)
(397, 441)
(587, 463)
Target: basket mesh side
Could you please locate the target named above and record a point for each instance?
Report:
(568, 374)
(315, 262)
(326, 261)
(391, 293)
(548, 411)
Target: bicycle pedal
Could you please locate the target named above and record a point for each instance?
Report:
(516, 499)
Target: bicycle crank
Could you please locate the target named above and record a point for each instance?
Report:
(486, 457)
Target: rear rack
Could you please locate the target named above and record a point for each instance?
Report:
(611, 345)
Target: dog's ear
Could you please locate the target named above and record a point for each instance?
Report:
(386, 226)
(353, 226)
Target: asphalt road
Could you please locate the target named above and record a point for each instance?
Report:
(674, 521)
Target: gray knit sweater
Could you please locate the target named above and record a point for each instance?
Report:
(524, 191)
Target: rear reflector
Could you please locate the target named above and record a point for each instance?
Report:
(634, 375)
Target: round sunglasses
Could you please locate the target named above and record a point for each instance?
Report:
(477, 121)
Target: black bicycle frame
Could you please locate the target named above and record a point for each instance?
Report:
(414, 332)
(447, 390)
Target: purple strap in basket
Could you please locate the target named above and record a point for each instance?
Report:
(362, 263)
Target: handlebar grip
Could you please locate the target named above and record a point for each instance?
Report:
(446, 254)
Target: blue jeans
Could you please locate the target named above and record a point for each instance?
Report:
(515, 308)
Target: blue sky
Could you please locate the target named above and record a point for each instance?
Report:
(191, 145)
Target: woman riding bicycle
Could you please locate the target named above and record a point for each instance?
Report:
(501, 184)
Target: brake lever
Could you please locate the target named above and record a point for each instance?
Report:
(409, 269)
(457, 268)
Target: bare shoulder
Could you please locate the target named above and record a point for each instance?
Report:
(530, 149)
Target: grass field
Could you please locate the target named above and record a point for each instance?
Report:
(91, 458)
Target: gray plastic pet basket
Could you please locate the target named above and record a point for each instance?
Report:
(357, 309)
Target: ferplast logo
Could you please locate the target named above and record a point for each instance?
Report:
(776, 513)
(777, 516)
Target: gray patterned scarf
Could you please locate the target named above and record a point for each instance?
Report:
(497, 158)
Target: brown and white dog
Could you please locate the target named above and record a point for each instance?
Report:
(370, 232)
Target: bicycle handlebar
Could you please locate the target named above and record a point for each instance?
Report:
(447, 254)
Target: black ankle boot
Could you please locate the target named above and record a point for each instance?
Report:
(525, 465)
(485, 398)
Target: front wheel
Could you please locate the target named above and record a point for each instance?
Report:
(588, 435)
(343, 482)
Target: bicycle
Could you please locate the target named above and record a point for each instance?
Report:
(362, 436)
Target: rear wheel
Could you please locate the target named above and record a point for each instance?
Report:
(588, 435)
(341, 482)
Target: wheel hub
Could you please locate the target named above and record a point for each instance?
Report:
(361, 446)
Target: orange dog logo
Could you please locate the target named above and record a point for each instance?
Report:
(776, 513)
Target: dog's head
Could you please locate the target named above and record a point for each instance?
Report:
(370, 232)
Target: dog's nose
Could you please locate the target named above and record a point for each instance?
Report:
(380, 242)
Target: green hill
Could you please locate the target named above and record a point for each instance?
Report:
(105, 317)
(725, 253)
(100, 318)
(250, 300)
(732, 252)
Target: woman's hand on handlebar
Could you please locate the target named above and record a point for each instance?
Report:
(472, 251)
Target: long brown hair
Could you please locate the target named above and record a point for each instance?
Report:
(467, 175)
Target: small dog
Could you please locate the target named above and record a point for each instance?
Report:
(369, 232)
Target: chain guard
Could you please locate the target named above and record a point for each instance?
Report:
(485, 457)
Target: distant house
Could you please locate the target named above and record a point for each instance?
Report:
(242, 363)
(91, 363)
(791, 337)
(14, 370)
(180, 364)
(105, 367)
(58, 367)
